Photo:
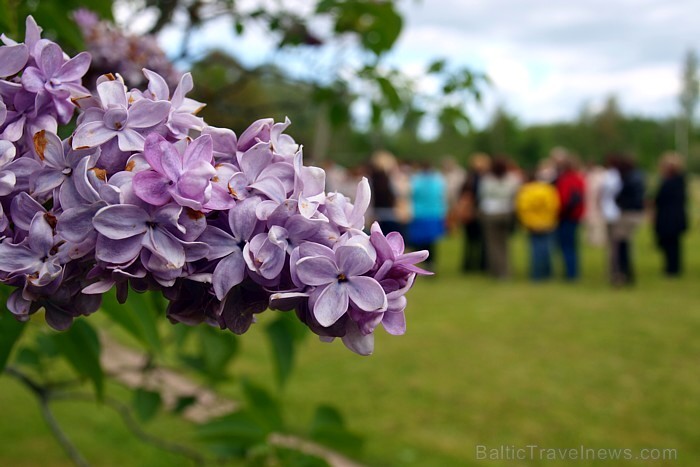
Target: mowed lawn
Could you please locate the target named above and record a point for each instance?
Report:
(488, 363)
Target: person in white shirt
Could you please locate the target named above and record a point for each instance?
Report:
(610, 187)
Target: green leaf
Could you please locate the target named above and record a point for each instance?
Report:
(10, 332)
(328, 428)
(81, 347)
(28, 357)
(233, 434)
(182, 403)
(217, 348)
(137, 317)
(263, 406)
(389, 92)
(293, 458)
(437, 66)
(282, 334)
(146, 404)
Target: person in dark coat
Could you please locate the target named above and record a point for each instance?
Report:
(670, 218)
(630, 201)
(474, 252)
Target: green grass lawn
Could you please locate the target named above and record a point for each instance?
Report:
(483, 363)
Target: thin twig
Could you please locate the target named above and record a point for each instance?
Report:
(60, 435)
(132, 425)
(43, 396)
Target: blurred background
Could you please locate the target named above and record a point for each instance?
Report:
(544, 152)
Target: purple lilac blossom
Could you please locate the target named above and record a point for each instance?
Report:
(144, 195)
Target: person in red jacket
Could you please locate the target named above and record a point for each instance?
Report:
(571, 187)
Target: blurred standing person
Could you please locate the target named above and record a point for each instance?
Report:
(670, 218)
(537, 207)
(630, 200)
(401, 180)
(467, 209)
(593, 219)
(496, 203)
(610, 186)
(455, 176)
(336, 177)
(429, 197)
(571, 188)
(382, 167)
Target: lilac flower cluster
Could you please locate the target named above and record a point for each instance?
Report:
(113, 51)
(145, 195)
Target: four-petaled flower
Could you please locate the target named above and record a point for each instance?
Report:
(339, 281)
(186, 177)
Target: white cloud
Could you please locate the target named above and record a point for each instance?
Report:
(548, 58)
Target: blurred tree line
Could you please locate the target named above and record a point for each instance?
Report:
(236, 95)
(394, 109)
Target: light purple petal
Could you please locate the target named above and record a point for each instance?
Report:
(228, 273)
(145, 113)
(220, 200)
(396, 241)
(380, 243)
(260, 129)
(168, 248)
(112, 93)
(220, 243)
(151, 187)
(45, 180)
(50, 58)
(356, 341)
(169, 215)
(75, 68)
(255, 159)
(366, 294)
(270, 187)
(40, 234)
(200, 150)
(121, 221)
(184, 86)
(192, 185)
(331, 304)
(118, 251)
(224, 140)
(170, 161)
(394, 322)
(33, 80)
(272, 257)
(75, 224)
(99, 287)
(242, 219)
(353, 260)
(12, 59)
(130, 140)
(317, 270)
(363, 196)
(7, 183)
(18, 258)
(237, 185)
(49, 148)
(157, 85)
(23, 209)
(91, 134)
(315, 249)
(154, 147)
(115, 118)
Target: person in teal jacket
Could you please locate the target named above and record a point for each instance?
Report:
(429, 196)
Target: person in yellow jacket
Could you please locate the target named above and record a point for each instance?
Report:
(537, 208)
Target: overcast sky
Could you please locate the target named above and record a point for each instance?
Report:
(550, 58)
(547, 59)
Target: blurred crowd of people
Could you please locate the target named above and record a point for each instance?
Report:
(493, 197)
